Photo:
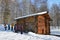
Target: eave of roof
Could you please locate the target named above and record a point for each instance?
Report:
(31, 15)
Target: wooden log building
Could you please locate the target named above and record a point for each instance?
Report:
(37, 22)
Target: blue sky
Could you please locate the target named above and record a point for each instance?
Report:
(53, 1)
(50, 2)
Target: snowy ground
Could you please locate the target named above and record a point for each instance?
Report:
(55, 31)
(9, 35)
(30, 36)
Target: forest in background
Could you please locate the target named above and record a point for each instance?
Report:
(18, 8)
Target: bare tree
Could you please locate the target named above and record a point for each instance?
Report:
(1, 11)
(43, 6)
(32, 8)
(6, 11)
(55, 14)
(37, 5)
(10, 8)
(15, 9)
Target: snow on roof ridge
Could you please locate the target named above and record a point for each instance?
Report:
(31, 15)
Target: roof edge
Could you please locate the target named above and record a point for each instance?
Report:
(41, 13)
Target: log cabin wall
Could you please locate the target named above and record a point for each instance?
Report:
(48, 27)
(17, 21)
(47, 23)
(41, 25)
(20, 21)
(38, 24)
(30, 23)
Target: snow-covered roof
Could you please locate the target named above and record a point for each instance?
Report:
(31, 15)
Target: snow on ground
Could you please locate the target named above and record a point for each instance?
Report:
(1, 27)
(30, 36)
(55, 31)
(9, 35)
